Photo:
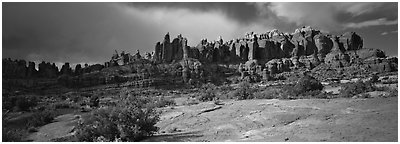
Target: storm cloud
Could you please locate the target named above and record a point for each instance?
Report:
(90, 32)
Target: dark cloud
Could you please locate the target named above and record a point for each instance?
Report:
(90, 32)
(381, 10)
(240, 11)
(62, 32)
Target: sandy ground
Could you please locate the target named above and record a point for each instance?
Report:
(62, 126)
(372, 119)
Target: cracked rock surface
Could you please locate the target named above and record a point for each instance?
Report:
(282, 120)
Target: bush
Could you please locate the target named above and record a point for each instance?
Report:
(225, 88)
(162, 102)
(351, 89)
(64, 105)
(41, 118)
(208, 92)
(393, 93)
(26, 126)
(12, 135)
(269, 93)
(131, 120)
(306, 87)
(244, 91)
(307, 83)
(25, 103)
(94, 101)
(374, 78)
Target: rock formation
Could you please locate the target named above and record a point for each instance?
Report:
(78, 70)
(31, 70)
(66, 70)
(351, 41)
(336, 58)
(276, 51)
(261, 56)
(273, 44)
(47, 70)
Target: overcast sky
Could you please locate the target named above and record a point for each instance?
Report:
(90, 32)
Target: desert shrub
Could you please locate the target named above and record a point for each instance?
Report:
(306, 87)
(235, 79)
(323, 95)
(244, 91)
(129, 121)
(63, 105)
(351, 89)
(374, 78)
(267, 94)
(307, 83)
(162, 102)
(26, 125)
(75, 98)
(225, 88)
(139, 100)
(25, 103)
(393, 93)
(94, 101)
(289, 92)
(312, 94)
(12, 135)
(208, 92)
(8, 102)
(280, 77)
(41, 118)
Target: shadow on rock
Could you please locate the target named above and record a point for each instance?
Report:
(174, 137)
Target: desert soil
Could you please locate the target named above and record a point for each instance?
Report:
(62, 126)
